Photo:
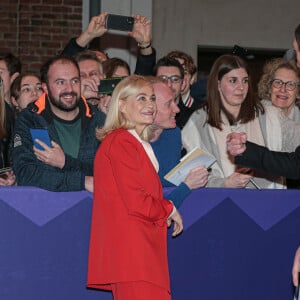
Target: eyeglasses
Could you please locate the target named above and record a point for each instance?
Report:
(289, 85)
(173, 78)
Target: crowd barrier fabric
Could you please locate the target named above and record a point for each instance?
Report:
(237, 244)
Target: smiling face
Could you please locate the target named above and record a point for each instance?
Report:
(139, 108)
(282, 97)
(233, 89)
(166, 106)
(63, 88)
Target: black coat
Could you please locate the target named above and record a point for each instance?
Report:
(279, 163)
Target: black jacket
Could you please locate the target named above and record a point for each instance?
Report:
(279, 163)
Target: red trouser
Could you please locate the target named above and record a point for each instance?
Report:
(139, 290)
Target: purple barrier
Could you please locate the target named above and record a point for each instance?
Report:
(237, 244)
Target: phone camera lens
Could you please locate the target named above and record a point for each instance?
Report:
(130, 20)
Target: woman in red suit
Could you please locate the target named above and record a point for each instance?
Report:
(128, 244)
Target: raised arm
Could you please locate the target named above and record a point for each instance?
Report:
(96, 28)
(142, 33)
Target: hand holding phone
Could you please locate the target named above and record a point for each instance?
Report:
(107, 85)
(41, 134)
(118, 22)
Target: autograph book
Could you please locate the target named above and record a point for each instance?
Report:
(191, 160)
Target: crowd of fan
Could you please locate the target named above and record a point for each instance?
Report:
(64, 100)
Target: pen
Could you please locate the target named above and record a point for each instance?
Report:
(254, 183)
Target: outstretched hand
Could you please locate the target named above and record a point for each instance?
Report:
(236, 143)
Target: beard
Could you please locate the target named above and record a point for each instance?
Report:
(58, 103)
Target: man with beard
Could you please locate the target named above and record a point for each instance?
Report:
(66, 164)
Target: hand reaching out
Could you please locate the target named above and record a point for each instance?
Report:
(236, 143)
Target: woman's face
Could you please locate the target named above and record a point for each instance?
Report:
(31, 90)
(284, 95)
(233, 89)
(140, 108)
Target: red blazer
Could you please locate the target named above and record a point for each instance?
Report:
(128, 232)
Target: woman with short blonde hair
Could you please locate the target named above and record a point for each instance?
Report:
(128, 245)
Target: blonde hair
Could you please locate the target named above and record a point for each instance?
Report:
(115, 118)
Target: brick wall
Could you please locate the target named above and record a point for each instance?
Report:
(35, 30)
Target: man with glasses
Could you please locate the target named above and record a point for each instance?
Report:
(195, 91)
(171, 72)
(91, 72)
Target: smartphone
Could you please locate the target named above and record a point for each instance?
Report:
(107, 85)
(118, 22)
(41, 134)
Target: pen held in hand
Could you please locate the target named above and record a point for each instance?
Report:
(244, 170)
(254, 183)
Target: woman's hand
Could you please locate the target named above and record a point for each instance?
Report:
(178, 224)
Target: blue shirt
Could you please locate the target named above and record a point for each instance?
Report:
(167, 149)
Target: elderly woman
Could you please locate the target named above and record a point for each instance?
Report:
(280, 85)
(128, 251)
